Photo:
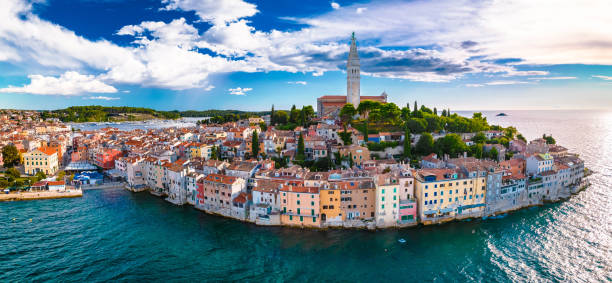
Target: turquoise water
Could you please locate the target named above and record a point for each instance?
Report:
(118, 235)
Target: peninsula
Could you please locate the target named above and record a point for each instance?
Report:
(359, 161)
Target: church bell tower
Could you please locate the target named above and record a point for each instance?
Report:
(352, 75)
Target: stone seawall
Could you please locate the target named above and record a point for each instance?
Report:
(40, 195)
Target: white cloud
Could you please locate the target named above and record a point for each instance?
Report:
(607, 78)
(215, 11)
(335, 5)
(467, 37)
(474, 85)
(107, 98)
(505, 83)
(239, 90)
(554, 78)
(298, 83)
(69, 83)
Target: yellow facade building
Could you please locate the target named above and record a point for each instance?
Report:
(43, 159)
(448, 194)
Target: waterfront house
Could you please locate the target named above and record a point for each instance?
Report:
(538, 163)
(300, 206)
(56, 186)
(266, 202)
(387, 200)
(216, 191)
(330, 204)
(358, 201)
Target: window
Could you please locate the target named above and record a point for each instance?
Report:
(425, 194)
(450, 199)
(425, 202)
(441, 193)
(435, 194)
(383, 191)
(301, 218)
(290, 217)
(435, 201)
(298, 202)
(382, 206)
(314, 219)
(441, 201)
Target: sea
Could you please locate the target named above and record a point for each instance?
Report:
(143, 125)
(116, 235)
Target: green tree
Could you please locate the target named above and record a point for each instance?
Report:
(281, 117)
(425, 144)
(435, 111)
(40, 175)
(390, 113)
(346, 137)
(272, 116)
(300, 149)
(510, 132)
(307, 114)
(426, 110)
(12, 173)
(346, 114)
(10, 155)
(479, 138)
(405, 113)
(60, 175)
(365, 132)
(255, 145)
(214, 153)
(416, 125)
(294, 114)
(521, 137)
(407, 139)
(443, 112)
(415, 107)
(451, 144)
(263, 126)
(549, 139)
(366, 106)
(433, 124)
(494, 154)
(476, 150)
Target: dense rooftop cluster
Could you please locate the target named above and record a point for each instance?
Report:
(309, 176)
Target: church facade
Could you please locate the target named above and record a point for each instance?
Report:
(330, 105)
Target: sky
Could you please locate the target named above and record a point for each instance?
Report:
(248, 55)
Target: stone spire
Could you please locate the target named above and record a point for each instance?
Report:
(353, 88)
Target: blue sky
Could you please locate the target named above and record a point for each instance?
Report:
(235, 54)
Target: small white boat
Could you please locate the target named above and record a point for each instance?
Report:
(401, 240)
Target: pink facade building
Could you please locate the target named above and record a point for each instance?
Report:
(106, 158)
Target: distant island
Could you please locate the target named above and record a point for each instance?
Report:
(502, 114)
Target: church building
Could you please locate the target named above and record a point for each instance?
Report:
(329, 105)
